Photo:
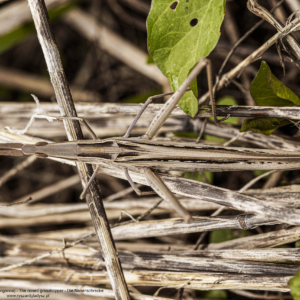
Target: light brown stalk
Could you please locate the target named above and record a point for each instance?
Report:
(64, 98)
(18, 247)
(162, 227)
(23, 81)
(263, 240)
(198, 281)
(117, 117)
(90, 111)
(209, 261)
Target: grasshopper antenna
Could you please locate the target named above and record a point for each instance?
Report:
(83, 122)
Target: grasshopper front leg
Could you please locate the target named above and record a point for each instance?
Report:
(169, 106)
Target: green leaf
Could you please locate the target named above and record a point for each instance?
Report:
(281, 246)
(219, 236)
(294, 284)
(262, 125)
(215, 294)
(186, 134)
(260, 172)
(180, 33)
(267, 90)
(149, 60)
(197, 176)
(297, 244)
(141, 98)
(211, 138)
(194, 87)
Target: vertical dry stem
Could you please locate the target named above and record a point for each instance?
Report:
(73, 129)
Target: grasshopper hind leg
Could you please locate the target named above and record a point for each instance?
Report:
(83, 122)
(162, 190)
(135, 188)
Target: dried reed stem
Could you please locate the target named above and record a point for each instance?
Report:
(65, 102)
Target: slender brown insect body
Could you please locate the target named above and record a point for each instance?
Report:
(160, 155)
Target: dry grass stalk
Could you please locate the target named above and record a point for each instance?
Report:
(199, 280)
(64, 98)
(233, 261)
(235, 71)
(35, 84)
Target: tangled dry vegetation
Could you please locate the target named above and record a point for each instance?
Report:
(242, 242)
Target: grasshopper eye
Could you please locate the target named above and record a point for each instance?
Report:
(41, 155)
(41, 144)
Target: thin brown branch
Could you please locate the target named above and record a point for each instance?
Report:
(17, 203)
(238, 43)
(109, 110)
(51, 189)
(263, 240)
(251, 262)
(64, 98)
(294, 25)
(261, 12)
(198, 281)
(31, 83)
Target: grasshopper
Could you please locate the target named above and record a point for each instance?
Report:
(147, 156)
(110, 150)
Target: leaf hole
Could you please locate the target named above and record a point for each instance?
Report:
(194, 22)
(174, 5)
